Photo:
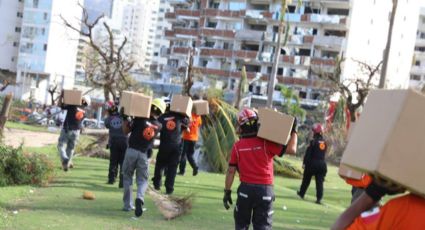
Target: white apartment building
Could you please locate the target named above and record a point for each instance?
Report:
(367, 39)
(227, 35)
(161, 44)
(417, 73)
(44, 49)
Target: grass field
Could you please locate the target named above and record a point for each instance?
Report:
(22, 126)
(59, 206)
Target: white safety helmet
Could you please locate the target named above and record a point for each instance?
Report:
(87, 99)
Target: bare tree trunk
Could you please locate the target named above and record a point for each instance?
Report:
(272, 80)
(388, 47)
(5, 112)
(106, 91)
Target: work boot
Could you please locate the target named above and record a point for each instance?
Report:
(299, 194)
(181, 173)
(139, 208)
(110, 181)
(195, 171)
(318, 202)
(65, 165)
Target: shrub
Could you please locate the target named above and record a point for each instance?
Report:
(17, 168)
(286, 169)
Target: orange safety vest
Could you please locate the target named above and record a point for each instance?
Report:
(362, 183)
(406, 212)
(195, 123)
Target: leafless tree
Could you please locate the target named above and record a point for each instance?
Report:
(354, 91)
(7, 78)
(108, 65)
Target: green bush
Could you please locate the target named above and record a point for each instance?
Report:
(18, 168)
(286, 169)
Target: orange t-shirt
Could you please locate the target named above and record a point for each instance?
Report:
(195, 123)
(362, 183)
(405, 212)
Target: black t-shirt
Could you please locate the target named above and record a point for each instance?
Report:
(173, 125)
(143, 133)
(74, 117)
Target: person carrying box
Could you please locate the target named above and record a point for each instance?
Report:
(169, 149)
(117, 143)
(252, 157)
(189, 141)
(142, 133)
(71, 129)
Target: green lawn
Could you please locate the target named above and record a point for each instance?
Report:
(23, 126)
(60, 206)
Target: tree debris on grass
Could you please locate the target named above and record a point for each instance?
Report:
(171, 207)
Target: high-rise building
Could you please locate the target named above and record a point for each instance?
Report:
(226, 35)
(161, 44)
(417, 73)
(38, 46)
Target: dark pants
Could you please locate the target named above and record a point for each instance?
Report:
(166, 159)
(188, 151)
(254, 203)
(318, 170)
(117, 149)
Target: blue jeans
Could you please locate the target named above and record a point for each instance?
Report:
(68, 138)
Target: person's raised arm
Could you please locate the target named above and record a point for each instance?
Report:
(230, 176)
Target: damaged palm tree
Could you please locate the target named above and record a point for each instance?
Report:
(171, 207)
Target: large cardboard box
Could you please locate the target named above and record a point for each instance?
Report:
(136, 104)
(182, 104)
(389, 139)
(201, 107)
(72, 97)
(275, 126)
(347, 172)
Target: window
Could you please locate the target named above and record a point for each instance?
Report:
(338, 12)
(15, 44)
(43, 31)
(19, 15)
(422, 36)
(302, 94)
(161, 10)
(35, 3)
(417, 63)
(12, 59)
(17, 29)
(45, 16)
(156, 54)
(415, 77)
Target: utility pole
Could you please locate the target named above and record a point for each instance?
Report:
(382, 80)
(273, 75)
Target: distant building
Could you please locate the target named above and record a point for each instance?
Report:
(37, 45)
(417, 74)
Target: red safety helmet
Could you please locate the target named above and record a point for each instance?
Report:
(317, 128)
(110, 105)
(246, 115)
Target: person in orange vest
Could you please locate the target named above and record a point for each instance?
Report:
(189, 141)
(252, 157)
(358, 185)
(404, 212)
(314, 164)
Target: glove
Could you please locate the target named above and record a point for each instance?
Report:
(295, 126)
(227, 199)
(124, 117)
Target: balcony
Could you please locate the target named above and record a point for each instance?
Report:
(259, 14)
(242, 54)
(218, 33)
(223, 13)
(324, 19)
(179, 2)
(181, 32)
(249, 35)
(329, 41)
(170, 16)
(187, 13)
(180, 50)
(225, 73)
(330, 62)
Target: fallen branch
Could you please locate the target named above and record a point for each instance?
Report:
(171, 207)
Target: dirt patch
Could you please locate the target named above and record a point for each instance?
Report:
(16, 137)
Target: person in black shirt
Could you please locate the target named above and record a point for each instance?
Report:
(169, 149)
(117, 142)
(314, 164)
(71, 130)
(143, 131)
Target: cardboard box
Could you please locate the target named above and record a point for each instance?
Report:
(136, 104)
(347, 172)
(72, 97)
(389, 139)
(201, 107)
(275, 126)
(181, 104)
